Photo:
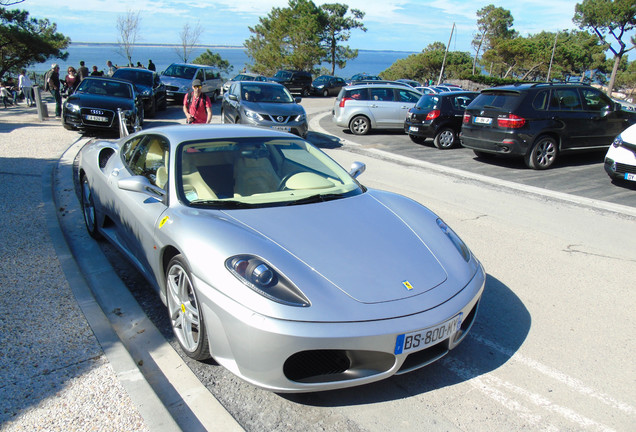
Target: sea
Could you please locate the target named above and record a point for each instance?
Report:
(369, 61)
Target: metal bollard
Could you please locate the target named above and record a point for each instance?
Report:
(43, 110)
(123, 129)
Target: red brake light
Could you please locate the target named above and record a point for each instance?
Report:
(466, 119)
(512, 121)
(342, 101)
(433, 115)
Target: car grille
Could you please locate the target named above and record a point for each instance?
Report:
(621, 168)
(172, 88)
(98, 112)
(277, 119)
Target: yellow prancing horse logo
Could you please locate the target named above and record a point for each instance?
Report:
(407, 285)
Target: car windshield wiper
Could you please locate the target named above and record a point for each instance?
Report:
(316, 198)
(222, 204)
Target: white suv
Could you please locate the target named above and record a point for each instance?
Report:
(363, 107)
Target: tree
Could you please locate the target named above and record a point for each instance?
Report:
(338, 30)
(427, 64)
(189, 37)
(493, 24)
(25, 41)
(609, 18)
(288, 37)
(128, 28)
(213, 59)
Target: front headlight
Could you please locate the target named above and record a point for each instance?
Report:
(618, 141)
(459, 244)
(301, 118)
(264, 279)
(72, 107)
(252, 115)
(147, 92)
(184, 88)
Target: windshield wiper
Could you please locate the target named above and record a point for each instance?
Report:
(315, 198)
(222, 204)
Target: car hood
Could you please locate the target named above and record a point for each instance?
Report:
(274, 108)
(97, 101)
(174, 81)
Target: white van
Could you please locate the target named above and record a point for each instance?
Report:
(179, 76)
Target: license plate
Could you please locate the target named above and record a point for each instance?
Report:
(97, 118)
(414, 129)
(282, 128)
(630, 176)
(418, 340)
(483, 120)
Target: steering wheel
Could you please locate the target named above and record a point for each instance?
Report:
(281, 185)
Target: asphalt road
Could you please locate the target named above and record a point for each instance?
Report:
(553, 342)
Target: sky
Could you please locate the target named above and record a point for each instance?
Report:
(391, 24)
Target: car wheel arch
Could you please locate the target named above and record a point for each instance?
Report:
(529, 159)
(168, 253)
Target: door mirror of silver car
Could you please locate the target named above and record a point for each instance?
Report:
(142, 184)
(232, 97)
(356, 169)
(298, 99)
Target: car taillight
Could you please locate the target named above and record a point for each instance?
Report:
(342, 101)
(466, 118)
(432, 115)
(512, 121)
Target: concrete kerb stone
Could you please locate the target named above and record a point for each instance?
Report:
(167, 393)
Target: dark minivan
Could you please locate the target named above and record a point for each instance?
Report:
(542, 120)
(438, 116)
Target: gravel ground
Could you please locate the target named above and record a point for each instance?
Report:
(54, 375)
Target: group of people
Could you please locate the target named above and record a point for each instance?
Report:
(11, 93)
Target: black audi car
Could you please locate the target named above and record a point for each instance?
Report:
(148, 85)
(438, 116)
(94, 105)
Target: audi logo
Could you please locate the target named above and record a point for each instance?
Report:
(97, 112)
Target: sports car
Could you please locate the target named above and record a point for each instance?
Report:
(276, 261)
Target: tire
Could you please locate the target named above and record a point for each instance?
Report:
(445, 139)
(542, 154)
(223, 117)
(417, 139)
(184, 310)
(153, 108)
(213, 97)
(88, 209)
(360, 125)
(164, 103)
(325, 93)
(305, 92)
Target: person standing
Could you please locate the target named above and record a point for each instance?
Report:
(82, 72)
(197, 106)
(72, 80)
(53, 84)
(111, 69)
(96, 72)
(26, 87)
(4, 94)
(151, 66)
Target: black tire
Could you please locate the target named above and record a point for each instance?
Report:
(305, 92)
(184, 310)
(445, 138)
(153, 108)
(164, 103)
(88, 209)
(223, 117)
(543, 153)
(360, 125)
(325, 92)
(417, 139)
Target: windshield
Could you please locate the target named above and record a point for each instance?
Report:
(322, 80)
(138, 77)
(257, 171)
(180, 71)
(283, 75)
(428, 102)
(105, 88)
(266, 93)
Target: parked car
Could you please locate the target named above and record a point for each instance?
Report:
(438, 116)
(428, 90)
(148, 85)
(264, 104)
(94, 103)
(620, 160)
(326, 85)
(179, 76)
(412, 83)
(245, 76)
(254, 241)
(296, 81)
(361, 108)
(362, 77)
(541, 121)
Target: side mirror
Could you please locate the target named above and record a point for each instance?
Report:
(298, 99)
(142, 185)
(356, 169)
(232, 97)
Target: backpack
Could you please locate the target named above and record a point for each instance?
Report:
(189, 100)
(47, 78)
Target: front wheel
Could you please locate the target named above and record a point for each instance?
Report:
(185, 311)
(88, 209)
(445, 139)
(325, 92)
(360, 125)
(542, 154)
(305, 92)
(223, 117)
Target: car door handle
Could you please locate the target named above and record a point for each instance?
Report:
(115, 172)
(373, 106)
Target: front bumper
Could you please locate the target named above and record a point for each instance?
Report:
(294, 127)
(620, 163)
(291, 356)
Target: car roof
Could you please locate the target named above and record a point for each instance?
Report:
(180, 133)
(262, 83)
(104, 78)
(136, 69)
(193, 65)
(388, 84)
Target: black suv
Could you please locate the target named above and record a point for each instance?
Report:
(540, 121)
(438, 116)
(295, 81)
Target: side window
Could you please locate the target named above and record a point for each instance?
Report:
(540, 102)
(594, 100)
(357, 94)
(129, 149)
(150, 159)
(200, 75)
(382, 94)
(235, 90)
(210, 74)
(408, 96)
(461, 102)
(565, 99)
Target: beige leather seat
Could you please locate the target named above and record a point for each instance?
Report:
(254, 175)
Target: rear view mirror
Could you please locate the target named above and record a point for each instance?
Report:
(356, 169)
